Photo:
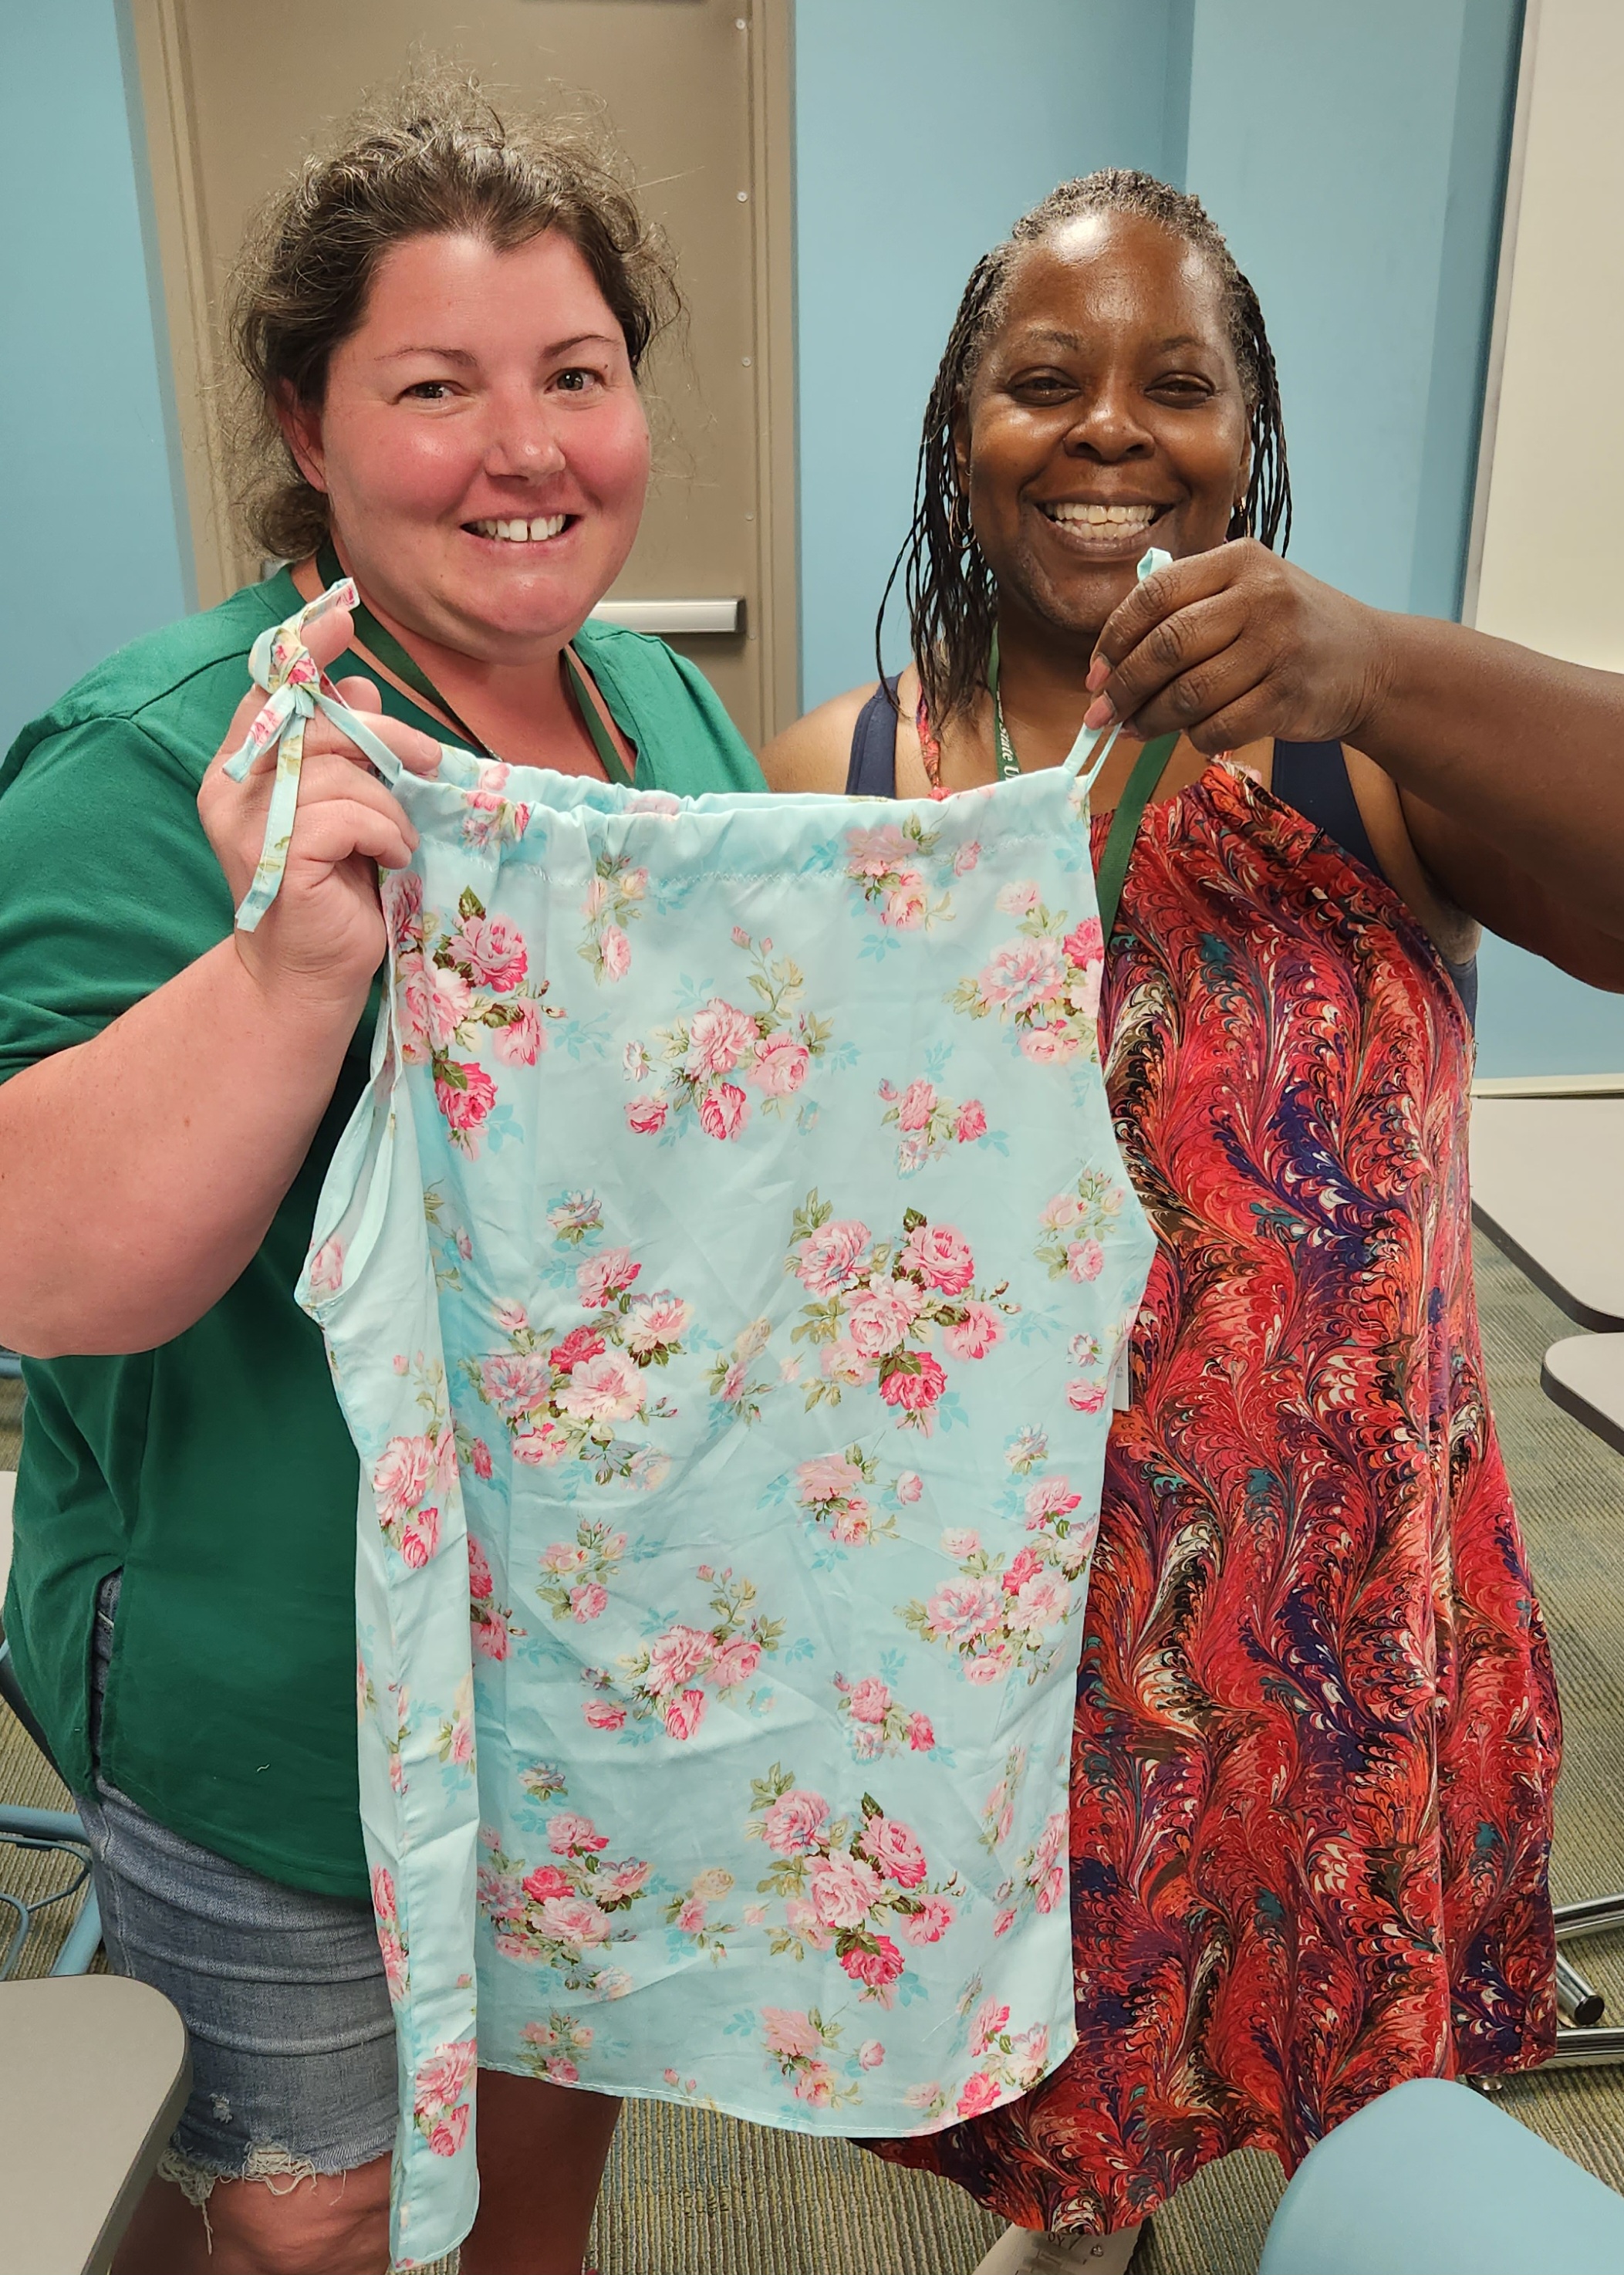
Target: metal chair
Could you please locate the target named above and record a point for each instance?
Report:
(1583, 2048)
(1584, 1376)
(1518, 1127)
(41, 1831)
(36, 1831)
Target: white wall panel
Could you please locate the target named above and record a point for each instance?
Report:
(1552, 503)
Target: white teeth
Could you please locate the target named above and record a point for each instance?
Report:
(522, 532)
(1103, 516)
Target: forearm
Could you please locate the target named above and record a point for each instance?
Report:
(138, 1172)
(1526, 752)
(1234, 645)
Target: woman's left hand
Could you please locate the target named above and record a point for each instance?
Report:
(1233, 646)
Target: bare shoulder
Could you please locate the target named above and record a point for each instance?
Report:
(815, 753)
(1389, 815)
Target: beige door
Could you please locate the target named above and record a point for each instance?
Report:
(696, 92)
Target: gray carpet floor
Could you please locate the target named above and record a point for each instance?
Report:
(692, 2193)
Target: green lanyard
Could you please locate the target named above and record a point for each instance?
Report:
(406, 669)
(1009, 765)
(1137, 795)
(614, 765)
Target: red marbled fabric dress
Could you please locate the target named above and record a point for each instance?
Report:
(1316, 1731)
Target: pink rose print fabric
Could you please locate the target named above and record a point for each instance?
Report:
(724, 1306)
(711, 1067)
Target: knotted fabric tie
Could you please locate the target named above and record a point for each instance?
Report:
(295, 689)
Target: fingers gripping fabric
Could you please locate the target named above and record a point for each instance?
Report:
(295, 689)
(724, 1278)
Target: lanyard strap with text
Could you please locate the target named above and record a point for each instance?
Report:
(1137, 792)
(410, 672)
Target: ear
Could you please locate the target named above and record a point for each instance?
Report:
(1243, 480)
(301, 431)
(961, 450)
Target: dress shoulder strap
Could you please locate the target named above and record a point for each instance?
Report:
(872, 772)
(1313, 779)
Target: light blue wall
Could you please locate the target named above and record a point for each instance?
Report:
(1354, 158)
(1533, 1019)
(923, 129)
(91, 554)
(1485, 97)
(1353, 154)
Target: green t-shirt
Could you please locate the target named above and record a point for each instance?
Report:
(216, 1471)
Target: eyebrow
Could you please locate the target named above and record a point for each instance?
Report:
(1059, 338)
(462, 355)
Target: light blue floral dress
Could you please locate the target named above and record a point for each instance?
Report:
(725, 1280)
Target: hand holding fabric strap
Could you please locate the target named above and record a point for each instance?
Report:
(295, 689)
(1092, 746)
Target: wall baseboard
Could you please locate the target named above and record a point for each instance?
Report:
(1550, 1086)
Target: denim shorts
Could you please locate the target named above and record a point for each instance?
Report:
(282, 1992)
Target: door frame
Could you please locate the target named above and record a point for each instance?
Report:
(196, 349)
(1500, 313)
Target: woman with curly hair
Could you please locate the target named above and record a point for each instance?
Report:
(441, 327)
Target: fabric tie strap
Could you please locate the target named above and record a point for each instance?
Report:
(295, 689)
(1092, 746)
(1091, 751)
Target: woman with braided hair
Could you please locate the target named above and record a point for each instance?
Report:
(1317, 1733)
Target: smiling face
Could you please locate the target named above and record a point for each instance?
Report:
(1106, 415)
(481, 443)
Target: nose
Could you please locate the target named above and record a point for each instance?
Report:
(523, 442)
(1109, 428)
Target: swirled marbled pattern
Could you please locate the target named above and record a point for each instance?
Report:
(1317, 1732)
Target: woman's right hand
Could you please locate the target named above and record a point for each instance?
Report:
(322, 938)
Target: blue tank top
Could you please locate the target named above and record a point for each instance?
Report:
(1311, 778)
